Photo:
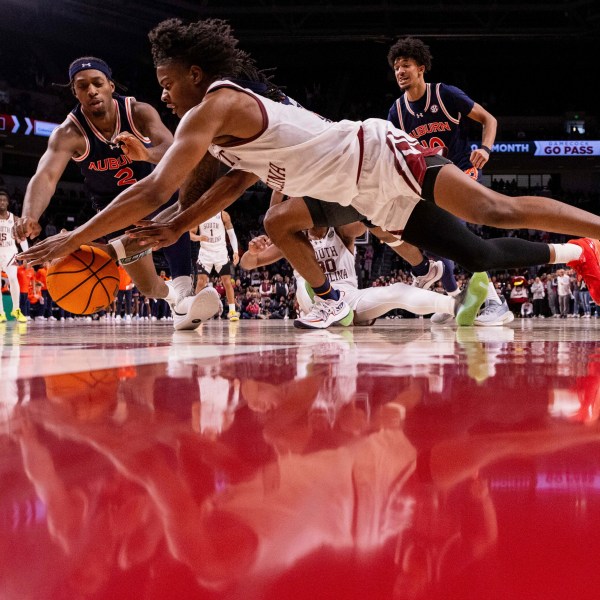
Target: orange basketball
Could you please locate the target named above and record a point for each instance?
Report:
(83, 282)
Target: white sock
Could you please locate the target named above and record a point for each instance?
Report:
(232, 308)
(183, 285)
(565, 253)
(455, 293)
(493, 294)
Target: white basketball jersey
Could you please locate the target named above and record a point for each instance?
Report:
(7, 242)
(215, 247)
(371, 165)
(337, 262)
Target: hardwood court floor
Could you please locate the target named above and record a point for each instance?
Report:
(252, 460)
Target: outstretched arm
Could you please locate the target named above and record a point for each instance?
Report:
(223, 192)
(63, 144)
(261, 252)
(194, 135)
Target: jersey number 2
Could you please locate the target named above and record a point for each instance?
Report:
(125, 177)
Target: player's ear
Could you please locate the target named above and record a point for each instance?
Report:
(112, 86)
(197, 74)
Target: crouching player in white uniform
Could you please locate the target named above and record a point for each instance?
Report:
(8, 250)
(334, 250)
(213, 258)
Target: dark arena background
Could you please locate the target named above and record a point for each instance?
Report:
(248, 459)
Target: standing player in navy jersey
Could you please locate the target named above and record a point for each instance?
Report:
(116, 141)
(433, 114)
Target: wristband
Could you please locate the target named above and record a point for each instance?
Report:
(117, 244)
(395, 243)
(488, 150)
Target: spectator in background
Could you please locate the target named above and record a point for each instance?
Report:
(125, 294)
(26, 277)
(265, 289)
(40, 276)
(252, 309)
(527, 309)
(563, 282)
(584, 297)
(552, 293)
(538, 293)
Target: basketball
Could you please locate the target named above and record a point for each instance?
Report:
(83, 282)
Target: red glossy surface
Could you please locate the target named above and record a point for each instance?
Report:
(256, 462)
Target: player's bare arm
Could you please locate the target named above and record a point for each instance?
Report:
(198, 128)
(65, 143)
(203, 176)
(222, 194)
(195, 236)
(261, 252)
(148, 123)
(480, 156)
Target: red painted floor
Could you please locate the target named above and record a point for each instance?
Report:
(254, 461)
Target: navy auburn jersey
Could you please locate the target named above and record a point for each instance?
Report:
(435, 120)
(104, 166)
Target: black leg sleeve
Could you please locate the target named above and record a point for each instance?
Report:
(435, 230)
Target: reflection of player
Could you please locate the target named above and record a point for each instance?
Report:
(213, 258)
(334, 249)
(219, 399)
(8, 250)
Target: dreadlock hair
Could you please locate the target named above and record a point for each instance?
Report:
(211, 45)
(411, 48)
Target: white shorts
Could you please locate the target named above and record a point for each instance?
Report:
(6, 258)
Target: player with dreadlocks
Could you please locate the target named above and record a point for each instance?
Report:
(378, 170)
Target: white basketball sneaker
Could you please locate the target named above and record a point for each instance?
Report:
(190, 312)
(325, 313)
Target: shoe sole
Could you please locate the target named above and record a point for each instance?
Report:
(477, 291)
(205, 306)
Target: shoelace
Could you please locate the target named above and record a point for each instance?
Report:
(491, 307)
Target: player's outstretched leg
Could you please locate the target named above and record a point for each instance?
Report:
(469, 301)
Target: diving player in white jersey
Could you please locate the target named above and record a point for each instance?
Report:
(378, 170)
(334, 250)
(8, 250)
(213, 258)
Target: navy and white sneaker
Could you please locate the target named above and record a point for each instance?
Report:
(425, 282)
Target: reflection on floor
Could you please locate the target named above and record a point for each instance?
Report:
(251, 461)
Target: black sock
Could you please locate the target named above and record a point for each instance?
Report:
(422, 268)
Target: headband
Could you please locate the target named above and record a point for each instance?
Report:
(89, 63)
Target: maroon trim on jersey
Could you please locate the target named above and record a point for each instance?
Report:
(414, 162)
(263, 110)
(361, 144)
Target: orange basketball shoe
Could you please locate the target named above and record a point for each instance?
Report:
(588, 265)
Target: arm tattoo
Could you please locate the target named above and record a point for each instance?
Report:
(206, 172)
